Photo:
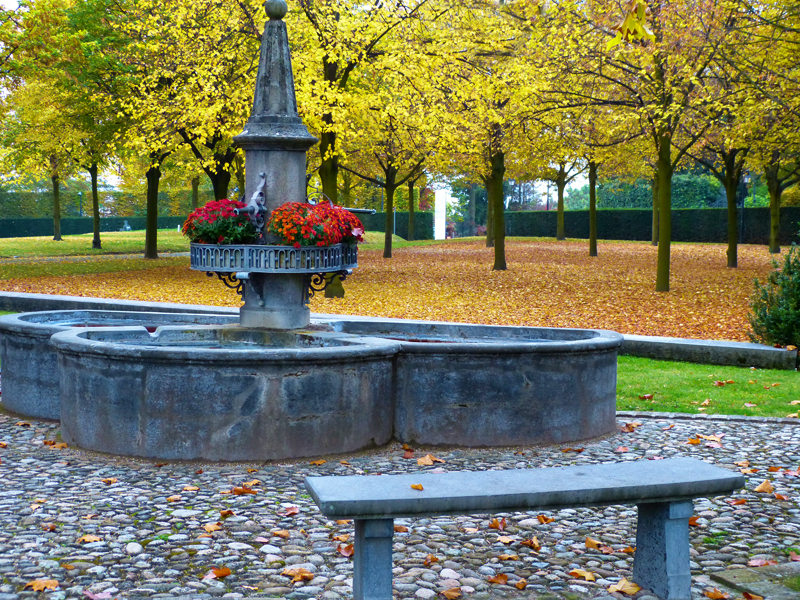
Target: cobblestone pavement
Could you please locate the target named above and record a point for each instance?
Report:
(110, 527)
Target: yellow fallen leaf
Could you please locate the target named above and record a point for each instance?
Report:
(88, 538)
(428, 460)
(39, 585)
(190, 488)
(508, 557)
(298, 574)
(174, 499)
(500, 579)
(532, 543)
(765, 487)
(590, 543)
(209, 527)
(109, 480)
(716, 594)
(624, 586)
(416, 486)
(521, 584)
(317, 463)
(544, 520)
(452, 593)
(504, 539)
(578, 573)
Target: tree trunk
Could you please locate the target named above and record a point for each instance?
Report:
(56, 198)
(731, 187)
(95, 209)
(238, 166)
(774, 187)
(498, 218)
(220, 182)
(347, 180)
(655, 210)
(592, 208)
(390, 187)
(473, 191)
(411, 209)
(329, 167)
(151, 232)
(489, 213)
(664, 211)
(561, 183)
(195, 192)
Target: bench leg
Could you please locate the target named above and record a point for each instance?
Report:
(372, 559)
(661, 562)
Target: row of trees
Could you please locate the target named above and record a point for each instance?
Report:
(405, 92)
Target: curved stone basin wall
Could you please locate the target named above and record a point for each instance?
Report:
(30, 370)
(223, 393)
(479, 385)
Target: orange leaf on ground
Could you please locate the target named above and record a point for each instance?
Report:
(794, 557)
(629, 550)
(190, 488)
(761, 562)
(765, 487)
(693, 521)
(532, 543)
(289, 511)
(88, 539)
(317, 463)
(409, 454)
(544, 520)
(500, 579)
(495, 524)
(624, 586)
(576, 450)
(400, 528)
(109, 480)
(737, 501)
(521, 584)
(630, 427)
(345, 550)
(591, 543)
(781, 497)
(749, 596)
(281, 533)
(646, 397)
(429, 560)
(173, 499)
(209, 527)
(341, 538)
(452, 593)
(226, 513)
(241, 491)
(693, 441)
(218, 573)
(715, 594)
(428, 460)
(39, 585)
(668, 427)
(578, 573)
(298, 574)
(508, 557)
(504, 539)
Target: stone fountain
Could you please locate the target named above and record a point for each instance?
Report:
(277, 385)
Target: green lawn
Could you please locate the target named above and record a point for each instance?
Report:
(688, 388)
(114, 242)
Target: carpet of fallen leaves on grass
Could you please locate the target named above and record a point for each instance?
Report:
(548, 283)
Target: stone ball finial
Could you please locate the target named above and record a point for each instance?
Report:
(276, 9)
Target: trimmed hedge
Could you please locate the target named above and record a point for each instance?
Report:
(688, 224)
(72, 226)
(423, 224)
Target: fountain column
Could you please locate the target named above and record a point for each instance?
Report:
(275, 142)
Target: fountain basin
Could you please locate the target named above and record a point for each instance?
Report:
(29, 363)
(479, 385)
(223, 393)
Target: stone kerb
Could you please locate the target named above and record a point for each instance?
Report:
(30, 387)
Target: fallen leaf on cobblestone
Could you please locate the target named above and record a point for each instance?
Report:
(592, 543)
(794, 557)
(88, 517)
(217, 573)
(49, 526)
(715, 594)
(39, 585)
(622, 449)
(765, 487)
(251, 483)
(241, 491)
(190, 488)
(25, 424)
(742, 463)
(452, 593)
(668, 427)
(508, 557)
(521, 584)
(694, 441)
(281, 533)
(504, 539)
(100, 596)
(761, 562)
(624, 586)
(578, 573)
(749, 596)
(226, 513)
(630, 427)
(500, 579)
(345, 550)
(428, 460)
(408, 454)
(737, 501)
(318, 463)
(400, 528)
(532, 543)
(628, 550)
(429, 560)
(495, 524)
(710, 438)
(3, 444)
(88, 538)
(343, 537)
(290, 511)
(109, 480)
(544, 520)
(576, 450)
(693, 521)
(781, 497)
(774, 469)
(343, 521)
(174, 499)
(209, 527)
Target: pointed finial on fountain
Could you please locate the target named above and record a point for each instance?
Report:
(276, 9)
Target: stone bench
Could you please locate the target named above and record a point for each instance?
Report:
(662, 490)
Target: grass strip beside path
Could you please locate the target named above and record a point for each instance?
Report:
(690, 388)
(113, 242)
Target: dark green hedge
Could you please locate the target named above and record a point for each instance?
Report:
(423, 224)
(688, 224)
(33, 227)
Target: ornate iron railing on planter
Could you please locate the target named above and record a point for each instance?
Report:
(273, 259)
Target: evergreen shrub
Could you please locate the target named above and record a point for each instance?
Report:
(775, 305)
